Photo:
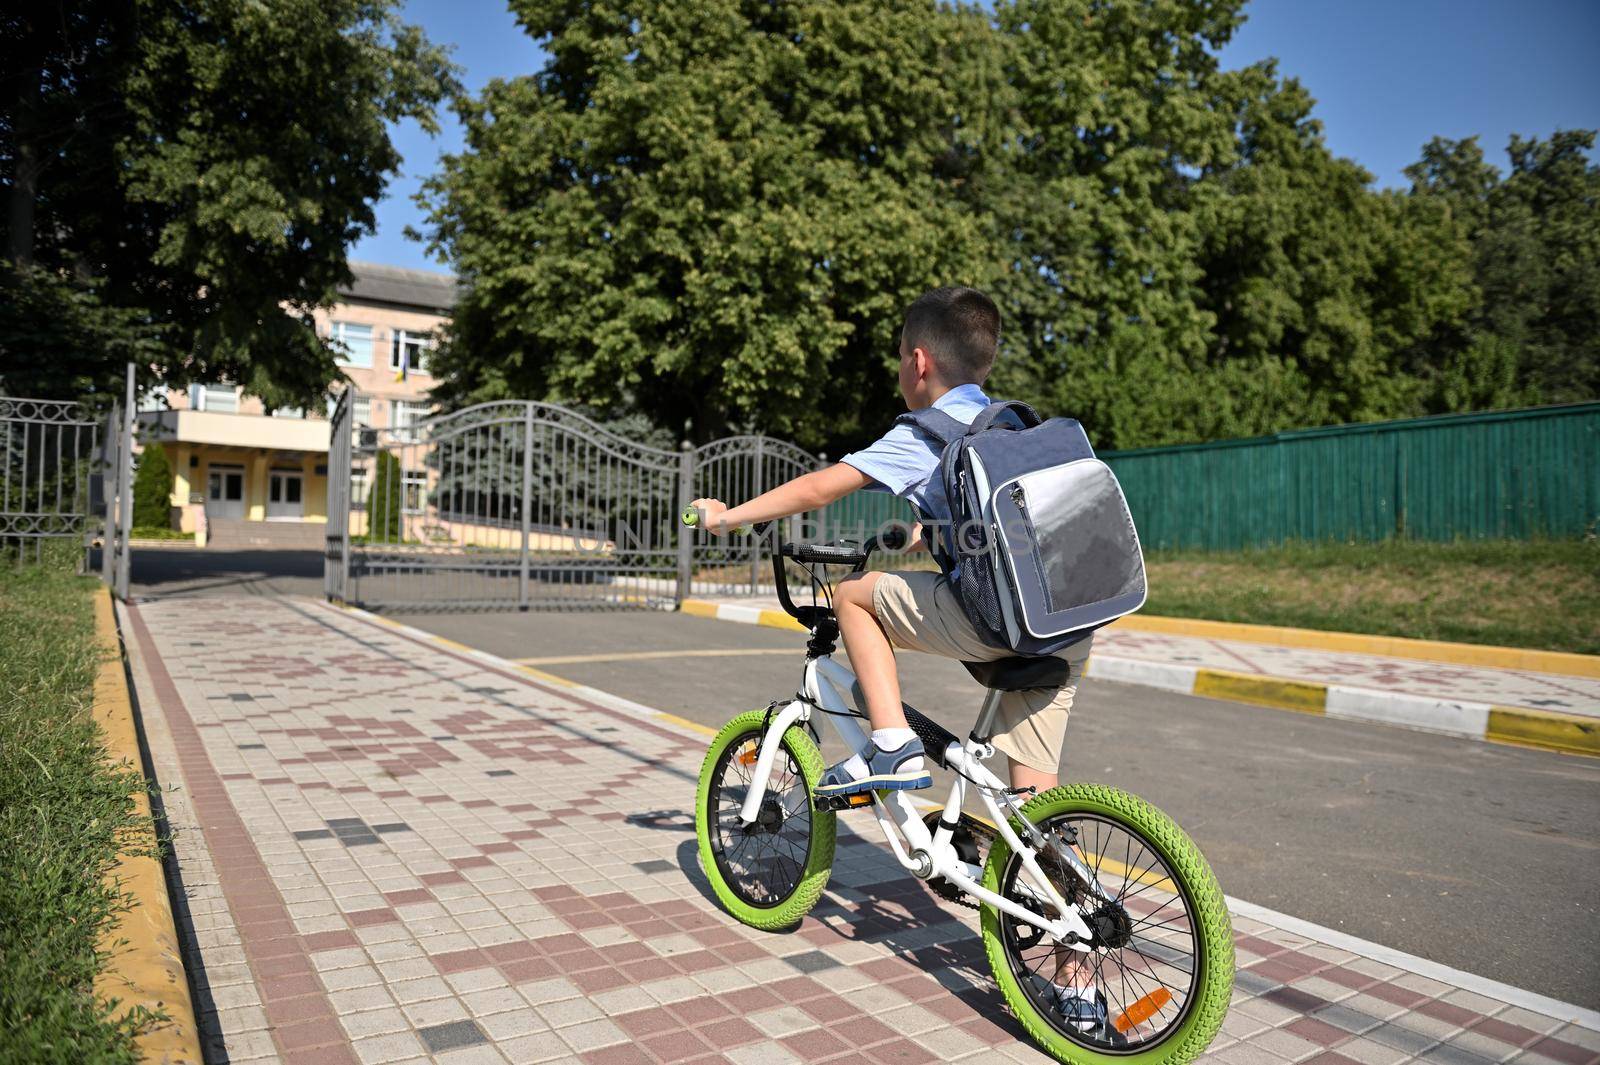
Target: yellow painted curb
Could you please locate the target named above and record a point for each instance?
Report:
(1544, 728)
(1262, 691)
(777, 619)
(693, 726)
(144, 960)
(772, 619)
(548, 678)
(1461, 654)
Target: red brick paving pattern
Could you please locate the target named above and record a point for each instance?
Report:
(513, 901)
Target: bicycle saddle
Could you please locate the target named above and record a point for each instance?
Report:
(1021, 672)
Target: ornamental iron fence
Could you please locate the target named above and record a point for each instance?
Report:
(62, 471)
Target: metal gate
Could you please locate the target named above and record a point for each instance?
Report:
(522, 505)
(502, 505)
(734, 469)
(61, 468)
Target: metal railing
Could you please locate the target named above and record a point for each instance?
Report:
(61, 468)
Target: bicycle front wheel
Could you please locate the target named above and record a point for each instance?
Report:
(1156, 983)
(770, 873)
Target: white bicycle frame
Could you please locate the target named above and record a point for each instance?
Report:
(922, 854)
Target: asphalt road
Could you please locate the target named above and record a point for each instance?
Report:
(1483, 857)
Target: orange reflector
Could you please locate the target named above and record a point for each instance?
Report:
(749, 757)
(1142, 1010)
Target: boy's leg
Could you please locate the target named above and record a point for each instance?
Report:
(894, 758)
(871, 655)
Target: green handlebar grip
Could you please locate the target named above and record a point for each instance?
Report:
(691, 518)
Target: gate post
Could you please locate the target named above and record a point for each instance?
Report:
(757, 487)
(108, 494)
(685, 532)
(527, 501)
(125, 488)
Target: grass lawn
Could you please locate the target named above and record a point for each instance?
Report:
(1538, 595)
(61, 808)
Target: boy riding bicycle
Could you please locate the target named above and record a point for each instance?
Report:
(947, 347)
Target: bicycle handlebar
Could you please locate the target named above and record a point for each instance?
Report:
(837, 553)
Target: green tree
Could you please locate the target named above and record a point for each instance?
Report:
(152, 488)
(714, 213)
(385, 500)
(1091, 205)
(184, 178)
(1534, 335)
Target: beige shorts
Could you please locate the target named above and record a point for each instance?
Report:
(920, 612)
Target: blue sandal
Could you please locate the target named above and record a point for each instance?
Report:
(884, 772)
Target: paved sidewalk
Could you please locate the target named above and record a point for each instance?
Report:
(393, 850)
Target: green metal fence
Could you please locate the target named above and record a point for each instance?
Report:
(1500, 475)
(1515, 474)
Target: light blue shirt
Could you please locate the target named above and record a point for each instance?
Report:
(905, 460)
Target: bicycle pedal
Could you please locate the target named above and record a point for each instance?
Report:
(843, 802)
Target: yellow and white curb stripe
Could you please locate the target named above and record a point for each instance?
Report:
(1516, 725)
(144, 965)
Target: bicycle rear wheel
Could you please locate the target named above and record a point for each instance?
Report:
(768, 874)
(1158, 981)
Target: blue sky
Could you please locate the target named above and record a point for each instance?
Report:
(1387, 75)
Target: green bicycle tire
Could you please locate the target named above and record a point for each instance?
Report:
(1214, 930)
(788, 911)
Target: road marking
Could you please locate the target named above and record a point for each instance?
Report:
(637, 656)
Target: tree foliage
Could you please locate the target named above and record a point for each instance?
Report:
(152, 488)
(385, 500)
(714, 214)
(183, 180)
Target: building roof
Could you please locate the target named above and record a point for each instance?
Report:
(425, 289)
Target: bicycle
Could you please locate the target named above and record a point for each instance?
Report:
(1082, 878)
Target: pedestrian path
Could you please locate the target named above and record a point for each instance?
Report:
(394, 850)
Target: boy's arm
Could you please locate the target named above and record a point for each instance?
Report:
(806, 492)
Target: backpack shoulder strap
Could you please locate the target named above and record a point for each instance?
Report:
(987, 417)
(935, 423)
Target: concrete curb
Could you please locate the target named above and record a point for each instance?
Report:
(1514, 725)
(144, 959)
(1459, 654)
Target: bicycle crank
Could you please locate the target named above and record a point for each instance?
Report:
(971, 840)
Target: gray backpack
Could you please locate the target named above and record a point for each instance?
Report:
(1041, 549)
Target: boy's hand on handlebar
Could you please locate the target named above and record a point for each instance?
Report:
(711, 512)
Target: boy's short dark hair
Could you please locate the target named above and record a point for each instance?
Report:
(959, 327)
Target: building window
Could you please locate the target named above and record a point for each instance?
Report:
(360, 412)
(416, 485)
(289, 412)
(360, 488)
(410, 349)
(407, 412)
(223, 398)
(353, 342)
